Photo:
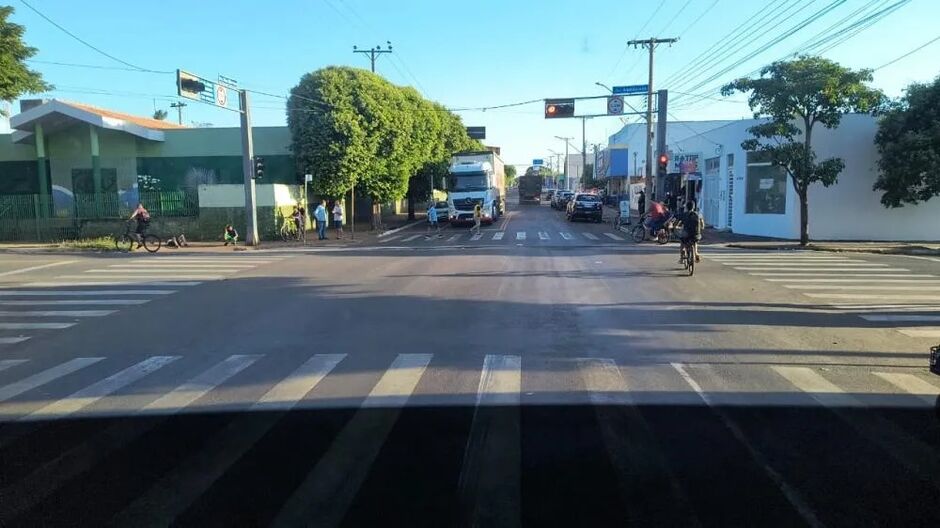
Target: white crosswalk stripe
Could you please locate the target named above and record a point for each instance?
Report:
(133, 281)
(613, 236)
(12, 340)
(412, 237)
(904, 318)
(9, 363)
(498, 235)
(56, 313)
(453, 237)
(930, 332)
(46, 376)
(590, 236)
(35, 326)
(74, 302)
(199, 386)
(387, 239)
(477, 236)
(566, 236)
(543, 235)
(82, 293)
(911, 384)
(520, 235)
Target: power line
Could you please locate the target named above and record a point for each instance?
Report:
(674, 17)
(94, 66)
(864, 24)
(707, 10)
(909, 53)
(99, 50)
(627, 47)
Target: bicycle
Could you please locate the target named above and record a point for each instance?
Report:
(687, 256)
(289, 231)
(126, 241)
(642, 231)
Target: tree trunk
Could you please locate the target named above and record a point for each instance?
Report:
(376, 215)
(411, 205)
(804, 217)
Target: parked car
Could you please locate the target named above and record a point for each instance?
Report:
(547, 195)
(585, 205)
(560, 201)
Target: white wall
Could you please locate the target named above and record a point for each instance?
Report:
(233, 195)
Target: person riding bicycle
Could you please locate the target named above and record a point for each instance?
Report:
(692, 226)
(658, 216)
(142, 215)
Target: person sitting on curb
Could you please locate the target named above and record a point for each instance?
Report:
(230, 235)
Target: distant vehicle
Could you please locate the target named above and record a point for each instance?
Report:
(442, 211)
(560, 201)
(530, 189)
(476, 178)
(547, 195)
(585, 205)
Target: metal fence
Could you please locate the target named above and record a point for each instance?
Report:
(29, 217)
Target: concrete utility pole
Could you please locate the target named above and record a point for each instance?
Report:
(650, 44)
(583, 148)
(565, 171)
(179, 110)
(374, 52)
(248, 161)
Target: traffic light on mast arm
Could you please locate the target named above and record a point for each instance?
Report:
(259, 167)
(559, 108)
(663, 163)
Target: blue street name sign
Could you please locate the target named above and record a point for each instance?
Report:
(631, 89)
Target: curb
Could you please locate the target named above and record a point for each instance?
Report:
(397, 229)
(917, 250)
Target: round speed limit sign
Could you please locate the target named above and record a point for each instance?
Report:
(221, 95)
(615, 105)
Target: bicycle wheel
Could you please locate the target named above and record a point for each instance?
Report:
(638, 234)
(152, 243)
(124, 243)
(662, 236)
(691, 260)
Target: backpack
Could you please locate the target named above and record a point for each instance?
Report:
(696, 224)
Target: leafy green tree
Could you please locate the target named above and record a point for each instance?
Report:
(793, 97)
(908, 140)
(510, 175)
(15, 78)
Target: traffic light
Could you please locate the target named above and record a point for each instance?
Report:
(559, 108)
(192, 86)
(663, 163)
(259, 167)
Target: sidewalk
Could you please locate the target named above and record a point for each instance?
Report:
(733, 240)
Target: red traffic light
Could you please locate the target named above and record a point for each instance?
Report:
(559, 108)
(663, 162)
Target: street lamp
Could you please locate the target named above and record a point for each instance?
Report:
(604, 86)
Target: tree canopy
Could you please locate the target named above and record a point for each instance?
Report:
(15, 78)
(908, 140)
(510, 175)
(793, 97)
(352, 127)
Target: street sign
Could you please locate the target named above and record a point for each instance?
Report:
(476, 132)
(537, 163)
(631, 89)
(221, 95)
(615, 105)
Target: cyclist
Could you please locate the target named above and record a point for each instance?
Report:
(658, 216)
(692, 227)
(142, 215)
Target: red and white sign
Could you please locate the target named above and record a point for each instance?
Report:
(221, 95)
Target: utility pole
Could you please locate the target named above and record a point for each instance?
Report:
(583, 148)
(374, 52)
(248, 162)
(636, 169)
(650, 44)
(179, 110)
(565, 171)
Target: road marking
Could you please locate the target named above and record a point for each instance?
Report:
(147, 274)
(801, 506)
(892, 307)
(453, 237)
(41, 378)
(613, 236)
(868, 280)
(325, 495)
(911, 384)
(12, 340)
(566, 236)
(873, 296)
(196, 388)
(773, 268)
(145, 265)
(9, 363)
(96, 391)
(253, 260)
(73, 302)
(927, 331)
(34, 268)
(817, 387)
(477, 236)
(26, 293)
(733, 258)
(913, 318)
(857, 287)
(131, 281)
(56, 313)
(604, 382)
(800, 265)
(35, 326)
(412, 237)
(161, 271)
(500, 381)
(165, 500)
(498, 235)
(543, 235)
(871, 275)
(590, 236)
(520, 235)
(389, 239)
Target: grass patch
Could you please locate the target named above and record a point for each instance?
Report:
(105, 243)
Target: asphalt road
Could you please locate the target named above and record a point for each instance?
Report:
(561, 377)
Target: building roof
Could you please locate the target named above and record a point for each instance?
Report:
(55, 115)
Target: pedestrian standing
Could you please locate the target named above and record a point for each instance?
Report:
(338, 219)
(320, 214)
(477, 218)
(641, 203)
(432, 220)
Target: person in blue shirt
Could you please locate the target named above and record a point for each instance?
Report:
(320, 214)
(432, 220)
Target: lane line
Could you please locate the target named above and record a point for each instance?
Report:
(34, 268)
(56, 313)
(911, 384)
(27, 293)
(590, 236)
(10, 363)
(543, 235)
(35, 326)
(566, 236)
(613, 236)
(74, 302)
(98, 390)
(793, 497)
(12, 340)
(520, 235)
(323, 498)
(41, 378)
(498, 235)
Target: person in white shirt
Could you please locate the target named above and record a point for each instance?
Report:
(338, 219)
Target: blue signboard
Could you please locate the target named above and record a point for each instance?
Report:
(631, 89)
(537, 162)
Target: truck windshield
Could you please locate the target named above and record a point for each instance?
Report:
(474, 181)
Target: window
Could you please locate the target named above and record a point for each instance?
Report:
(765, 189)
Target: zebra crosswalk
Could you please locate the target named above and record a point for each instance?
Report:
(874, 291)
(536, 236)
(61, 302)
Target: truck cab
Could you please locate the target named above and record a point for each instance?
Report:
(470, 183)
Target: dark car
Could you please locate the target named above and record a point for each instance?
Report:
(548, 195)
(560, 201)
(587, 206)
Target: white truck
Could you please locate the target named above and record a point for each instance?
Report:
(476, 178)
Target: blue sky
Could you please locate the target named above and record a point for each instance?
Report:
(474, 54)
